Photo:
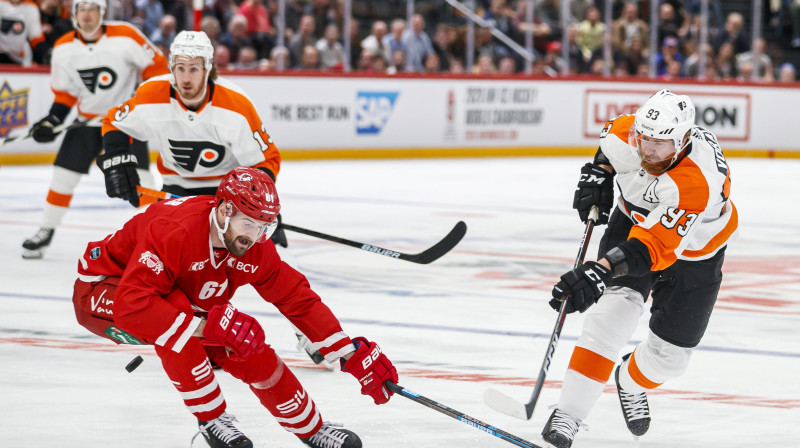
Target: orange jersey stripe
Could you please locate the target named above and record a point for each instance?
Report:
(720, 238)
(58, 199)
(591, 365)
(159, 66)
(68, 37)
(37, 40)
(637, 375)
(661, 241)
(620, 126)
(151, 92)
(64, 98)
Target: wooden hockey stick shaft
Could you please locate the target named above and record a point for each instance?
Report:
(460, 416)
(427, 256)
(60, 128)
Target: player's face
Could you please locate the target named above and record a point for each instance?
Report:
(190, 77)
(88, 17)
(244, 231)
(656, 154)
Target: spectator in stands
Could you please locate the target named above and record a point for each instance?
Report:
(507, 66)
(432, 63)
(366, 59)
(323, 14)
(628, 27)
(733, 33)
(379, 64)
(247, 60)
(165, 32)
(279, 58)
(259, 29)
(50, 15)
(309, 59)
(726, 61)
(590, 33)
(764, 61)
(418, 44)
(331, 52)
(236, 37)
(355, 41)
(668, 22)
(211, 26)
(501, 16)
(553, 57)
(484, 66)
(153, 13)
(786, 73)
(303, 37)
(673, 71)
(374, 42)
(222, 57)
(441, 45)
(691, 65)
(794, 14)
(394, 41)
(669, 52)
(485, 44)
(398, 63)
(457, 67)
(543, 31)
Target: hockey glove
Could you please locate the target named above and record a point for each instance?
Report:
(581, 287)
(121, 176)
(226, 326)
(371, 368)
(42, 131)
(595, 188)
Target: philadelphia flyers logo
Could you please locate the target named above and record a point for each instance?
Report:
(11, 26)
(189, 154)
(100, 77)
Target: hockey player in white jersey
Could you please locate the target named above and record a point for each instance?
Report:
(21, 38)
(94, 68)
(204, 126)
(667, 235)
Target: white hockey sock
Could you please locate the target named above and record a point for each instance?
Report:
(656, 362)
(62, 187)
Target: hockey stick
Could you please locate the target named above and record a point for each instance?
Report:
(56, 130)
(460, 416)
(429, 255)
(507, 405)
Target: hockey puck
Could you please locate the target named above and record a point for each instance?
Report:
(134, 364)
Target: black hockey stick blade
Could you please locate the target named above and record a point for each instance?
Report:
(58, 129)
(429, 255)
(460, 416)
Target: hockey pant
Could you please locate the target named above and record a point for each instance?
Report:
(191, 373)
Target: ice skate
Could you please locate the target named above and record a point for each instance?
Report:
(634, 406)
(34, 247)
(333, 435)
(560, 429)
(221, 433)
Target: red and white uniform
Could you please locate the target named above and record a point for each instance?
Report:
(100, 75)
(198, 148)
(20, 30)
(171, 275)
(683, 213)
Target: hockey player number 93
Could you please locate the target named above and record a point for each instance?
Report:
(673, 215)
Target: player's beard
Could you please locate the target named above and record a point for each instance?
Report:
(656, 168)
(236, 244)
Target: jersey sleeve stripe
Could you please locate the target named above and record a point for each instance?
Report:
(719, 239)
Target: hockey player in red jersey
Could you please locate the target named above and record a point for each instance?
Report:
(168, 277)
(94, 68)
(21, 32)
(667, 235)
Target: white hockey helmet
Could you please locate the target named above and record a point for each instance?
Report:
(100, 4)
(191, 44)
(665, 116)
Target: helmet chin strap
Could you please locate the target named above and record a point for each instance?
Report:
(220, 230)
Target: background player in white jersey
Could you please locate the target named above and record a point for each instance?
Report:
(167, 278)
(21, 38)
(204, 125)
(667, 235)
(95, 67)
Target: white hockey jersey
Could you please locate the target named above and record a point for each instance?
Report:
(20, 30)
(684, 213)
(198, 148)
(100, 75)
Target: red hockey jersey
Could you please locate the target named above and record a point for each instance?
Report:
(171, 275)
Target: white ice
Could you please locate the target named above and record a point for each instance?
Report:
(476, 318)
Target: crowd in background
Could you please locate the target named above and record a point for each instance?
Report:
(244, 33)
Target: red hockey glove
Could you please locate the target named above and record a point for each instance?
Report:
(371, 368)
(227, 327)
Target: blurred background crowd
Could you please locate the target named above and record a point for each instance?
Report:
(745, 40)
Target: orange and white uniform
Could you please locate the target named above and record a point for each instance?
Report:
(198, 148)
(684, 213)
(20, 26)
(100, 75)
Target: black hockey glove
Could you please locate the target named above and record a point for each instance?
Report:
(582, 287)
(43, 131)
(279, 236)
(595, 188)
(121, 176)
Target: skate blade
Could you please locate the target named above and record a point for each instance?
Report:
(32, 254)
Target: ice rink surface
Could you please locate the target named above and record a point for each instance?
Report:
(477, 317)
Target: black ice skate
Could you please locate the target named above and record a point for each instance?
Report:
(34, 247)
(332, 435)
(560, 429)
(634, 406)
(221, 433)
